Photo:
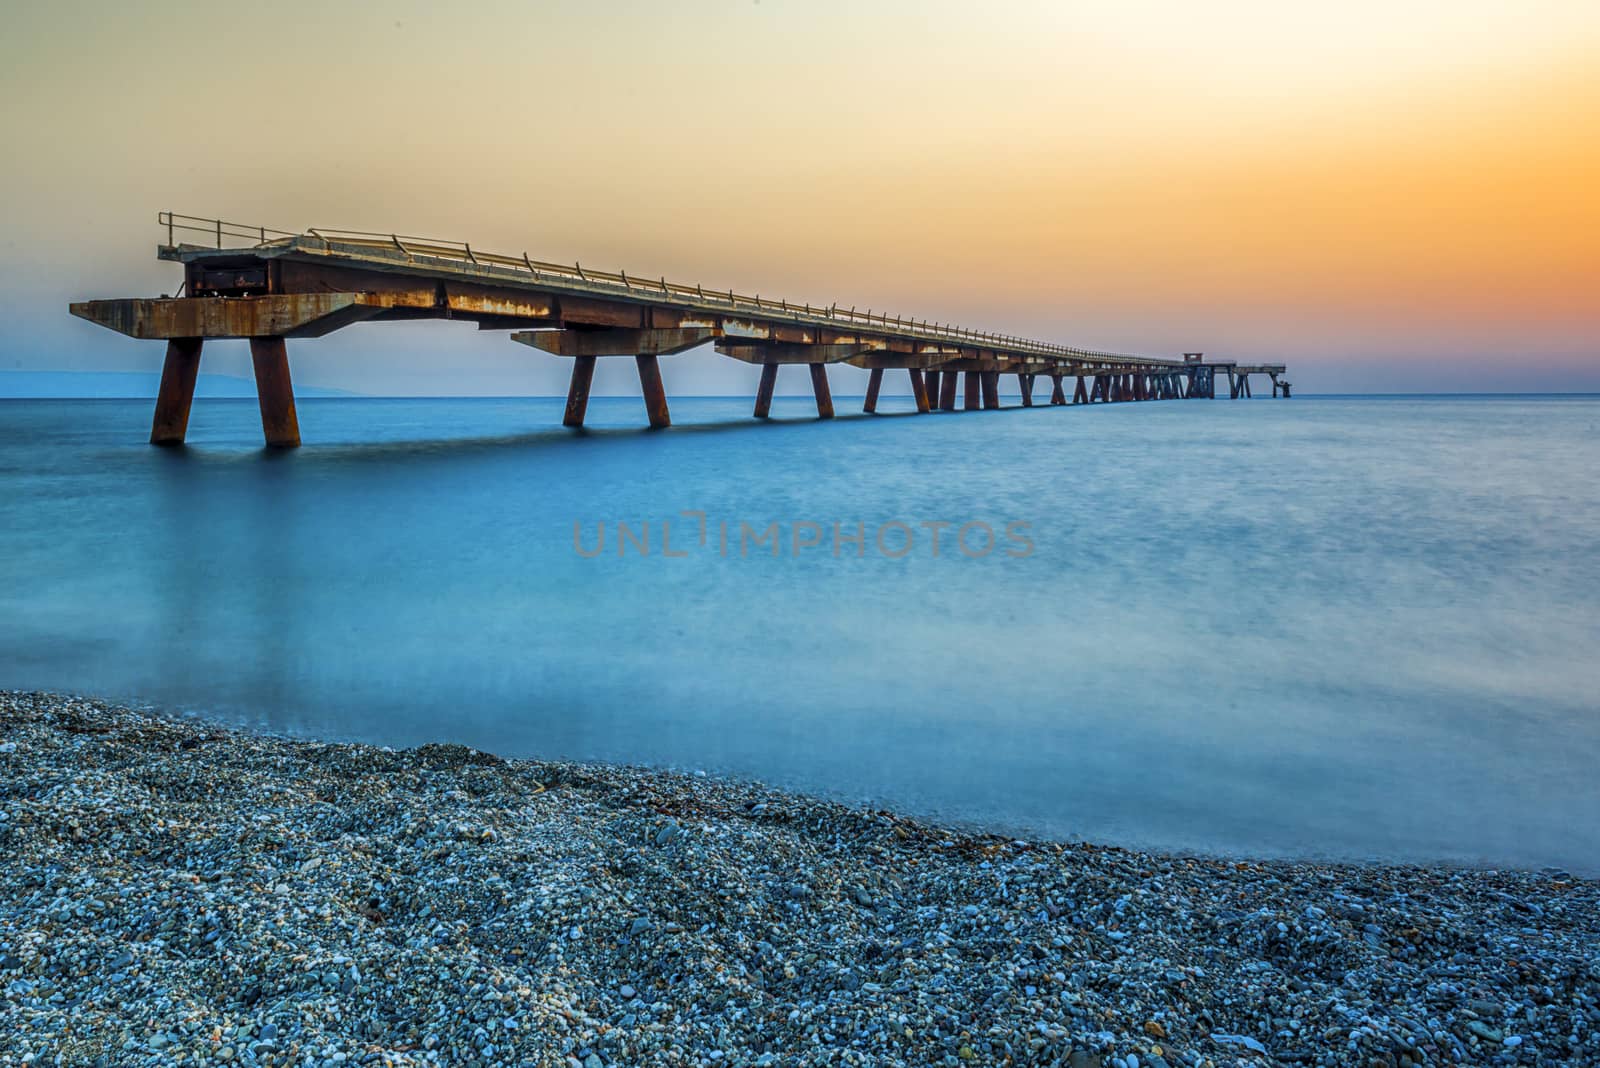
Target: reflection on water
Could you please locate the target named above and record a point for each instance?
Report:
(1332, 627)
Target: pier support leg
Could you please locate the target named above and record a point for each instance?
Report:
(578, 391)
(930, 384)
(819, 386)
(655, 394)
(874, 381)
(991, 389)
(1080, 393)
(769, 377)
(275, 392)
(1025, 383)
(970, 401)
(947, 391)
(1057, 394)
(178, 373)
(919, 390)
(1244, 381)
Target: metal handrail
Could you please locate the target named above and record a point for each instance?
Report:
(460, 253)
(220, 229)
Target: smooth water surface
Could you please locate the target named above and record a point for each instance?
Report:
(1327, 627)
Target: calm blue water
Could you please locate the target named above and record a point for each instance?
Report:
(1331, 627)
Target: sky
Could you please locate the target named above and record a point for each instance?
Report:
(1388, 197)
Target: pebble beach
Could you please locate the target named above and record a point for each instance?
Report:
(173, 891)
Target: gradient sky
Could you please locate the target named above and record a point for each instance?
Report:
(1387, 196)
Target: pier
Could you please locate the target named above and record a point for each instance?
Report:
(269, 286)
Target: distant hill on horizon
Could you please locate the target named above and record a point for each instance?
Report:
(131, 385)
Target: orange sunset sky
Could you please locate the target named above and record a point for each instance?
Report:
(1387, 196)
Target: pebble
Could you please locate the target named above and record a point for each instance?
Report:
(275, 902)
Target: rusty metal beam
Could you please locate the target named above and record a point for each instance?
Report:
(614, 341)
(295, 315)
(919, 389)
(787, 352)
(819, 386)
(655, 394)
(578, 391)
(991, 389)
(874, 381)
(891, 360)
(275, 392)
(977, 363)
(178, 373)
(769, 378)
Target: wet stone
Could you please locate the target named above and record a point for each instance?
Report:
(295, 902)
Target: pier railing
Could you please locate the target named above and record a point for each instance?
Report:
(216, 233)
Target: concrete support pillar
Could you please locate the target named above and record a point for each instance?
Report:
(655, 394)
(947, 391)
(178, 373)
(1057, 394)
(874, 381)
(275, 392)
(991, 389)
(919, 390)
(1244, 380)
(1080, 394)
(769, 377)
(1025, 383)
(578, 390)
(930, 383)
(819, 386)
(970, 400)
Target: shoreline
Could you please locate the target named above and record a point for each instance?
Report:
(176, 891)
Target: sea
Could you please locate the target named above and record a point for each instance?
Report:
(1331, 628)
